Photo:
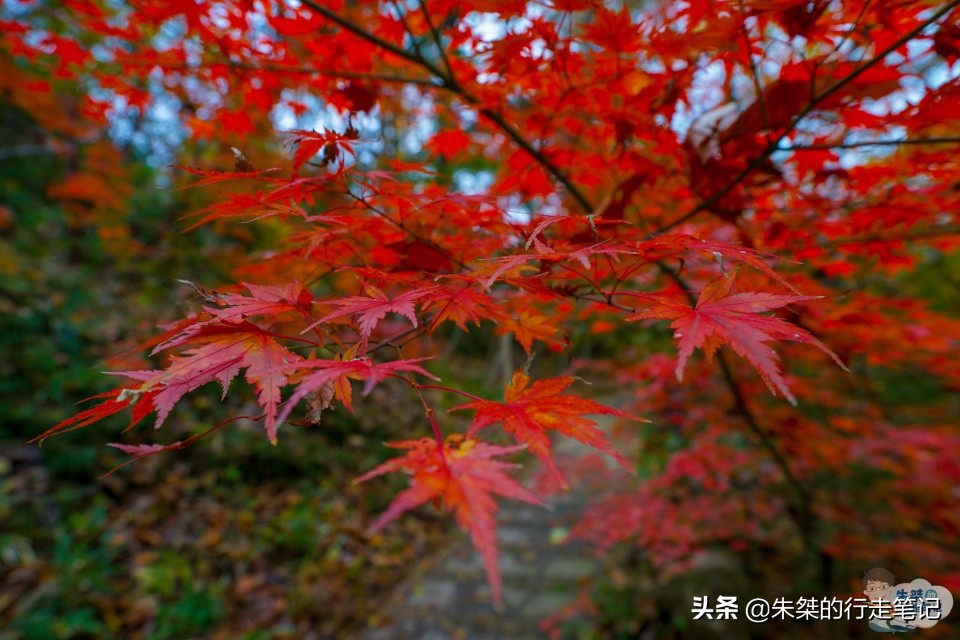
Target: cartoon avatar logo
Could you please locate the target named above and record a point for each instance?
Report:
(907, 606)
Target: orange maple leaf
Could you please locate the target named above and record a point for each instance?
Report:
(530, 411)
(720, 317)
(464, 476)
(529, 327)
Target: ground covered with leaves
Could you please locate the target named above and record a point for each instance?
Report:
(237, 540)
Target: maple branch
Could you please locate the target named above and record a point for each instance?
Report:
(853, 28)
(406, 27)
(873, 143)
(853, 75)
(457, 391)
(450, 83)
(307, 341)
(758, 87)
(803, 495)
(608, 300)
(430, 414)
(183, 444)
(592, 281)
(400, 225)
(804, 499)
(389, 342)
(374, 39)
(320, 276)
(436, 38)
(542, 159)
(282, 68)
(814, 101)
(336, 73)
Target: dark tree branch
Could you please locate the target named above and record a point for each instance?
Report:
(754, 71)
(437, 39)
(302, 70)
(804, 500)
(380, 42)
(870, 143)
(403, 227)
(403, 20)
(450, 83)
(803, 496)
(811, 106)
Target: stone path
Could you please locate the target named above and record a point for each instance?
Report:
(448, 598)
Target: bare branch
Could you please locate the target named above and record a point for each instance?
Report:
(755, 72)
(804, 499)
(304, 70)
(406, 26)
(380, 42)
(870, 143)
(437, 39)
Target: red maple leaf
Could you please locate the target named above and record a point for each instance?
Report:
(219, 353)
(141, 450)
(720, 317)
(544, 253)
(464, 476)
(373, 307)
(530, 411)
(333, 145)
(115, 401)
(264, 300)
(460, 306)
(341, 370)
(249, 206)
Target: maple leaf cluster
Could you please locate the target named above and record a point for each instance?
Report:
(553, 174)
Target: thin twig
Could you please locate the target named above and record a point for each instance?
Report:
(802, 493)
(300, 70)
(853, 28)
(755, 72)
(380, 42)
(400, 225)
(870, 143)
(406, 26)
(437, 39)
